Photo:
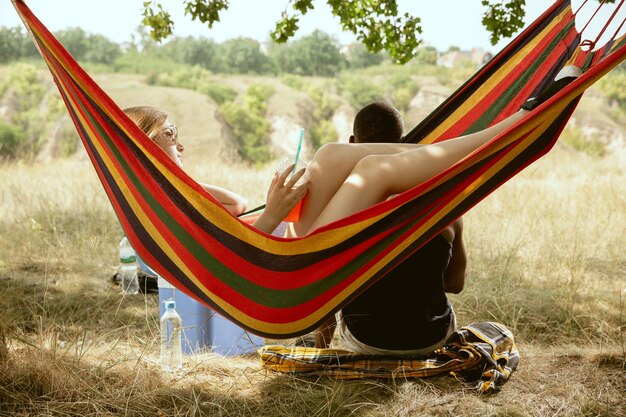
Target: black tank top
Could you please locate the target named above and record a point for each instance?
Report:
(407, 308)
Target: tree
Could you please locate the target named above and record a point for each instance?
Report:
(75, 41)
(316, 54)
(375, 22)
(244, 56)
(100, 49)
(427, 55)
(360, 57)
(15, 44)
(202, 52)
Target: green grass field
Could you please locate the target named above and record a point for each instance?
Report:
(546, 258)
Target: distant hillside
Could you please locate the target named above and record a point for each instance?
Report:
(203, 130)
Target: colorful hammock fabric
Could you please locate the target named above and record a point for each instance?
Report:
(282, 288)
(484, 353)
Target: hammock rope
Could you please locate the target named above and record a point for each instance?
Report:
(278, 287)
(592, 44)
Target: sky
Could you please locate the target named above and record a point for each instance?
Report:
(445, 23)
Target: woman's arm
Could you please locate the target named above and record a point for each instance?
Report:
(233, 202)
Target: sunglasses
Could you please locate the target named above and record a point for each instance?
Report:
(169, 135)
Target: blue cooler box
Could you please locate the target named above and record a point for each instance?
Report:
(204, 329)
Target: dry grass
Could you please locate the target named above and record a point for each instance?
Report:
(546, 258)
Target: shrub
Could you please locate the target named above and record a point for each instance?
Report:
(250, 132)
(402, 99)
(294, 81)
(261, 91)
(34, 106)
(219, 93)
(249, 127)
(190, 77)
(576, 138)
(360, 91)
(68, 140)
(22, 83)
(324, 132)
(144, 63)
(612, 85)
(11, 139)
(325, 104)
(403, 89)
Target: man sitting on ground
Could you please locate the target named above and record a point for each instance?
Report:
(406, 312)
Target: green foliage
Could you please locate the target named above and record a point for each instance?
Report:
(294, 81)
(317, 54)
(11, 139)
(87, 47)
(144, 63)
(325, 103)
(375, 22)
(22, 84)
(33, 108)
(16, 44)
(376, 25)
(403, 89)
(249, 131)
(324, 132)
(243, 56)
(205, 12)
(402, 98)
(249, 127)
(101, 50)
(75, 41)
(612, 84)
(67, 139)
(256, 97)
(189, 77)
(503, 18)
(202, 52)
(360, 57)
(427, 55)
(576, 138)
(159, 21)
(360, 91)
(288, 25)
(219, 93)
(193, 78)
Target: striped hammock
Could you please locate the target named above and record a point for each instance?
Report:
(282, 288)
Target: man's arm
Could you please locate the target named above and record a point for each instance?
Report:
(454, 278)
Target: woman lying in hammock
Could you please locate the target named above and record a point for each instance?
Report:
(280, 200)
(343, 179)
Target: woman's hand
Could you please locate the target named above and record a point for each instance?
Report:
(282, 197)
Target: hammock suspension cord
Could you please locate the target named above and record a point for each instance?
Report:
(592, 44)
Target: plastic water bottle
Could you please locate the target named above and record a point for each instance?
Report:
(171, 341)
(128, 268)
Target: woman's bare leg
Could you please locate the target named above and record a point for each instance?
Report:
(374, 177)
(329, 169)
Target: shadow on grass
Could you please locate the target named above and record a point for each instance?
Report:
(39, 304)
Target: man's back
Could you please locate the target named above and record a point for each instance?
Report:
(407, 308)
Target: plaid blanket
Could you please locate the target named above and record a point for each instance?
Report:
(483, 353)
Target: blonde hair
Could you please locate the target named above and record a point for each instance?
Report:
(149, 119)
